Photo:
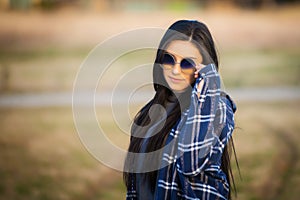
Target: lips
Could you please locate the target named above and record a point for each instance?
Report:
(175, 80)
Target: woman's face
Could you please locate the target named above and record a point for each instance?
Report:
(178, 79)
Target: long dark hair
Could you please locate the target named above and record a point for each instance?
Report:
(186, 30)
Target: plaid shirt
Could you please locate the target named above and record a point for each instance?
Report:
(192, 167)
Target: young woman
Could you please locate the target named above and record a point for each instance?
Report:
(180, 139)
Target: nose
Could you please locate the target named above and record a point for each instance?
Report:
(176, 68)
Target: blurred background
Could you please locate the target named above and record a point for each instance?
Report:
(44, 42)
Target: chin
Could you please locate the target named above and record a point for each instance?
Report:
(177, 89)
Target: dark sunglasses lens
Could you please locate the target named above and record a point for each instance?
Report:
(187, 64)
(168, 60)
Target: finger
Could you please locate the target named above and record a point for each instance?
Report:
(196, 73)
(200, 86)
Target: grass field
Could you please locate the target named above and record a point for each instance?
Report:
(32, 71)
(42, 157)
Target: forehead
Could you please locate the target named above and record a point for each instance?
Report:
(183, 49)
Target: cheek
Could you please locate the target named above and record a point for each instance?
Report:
(165, 73)
(190, 79)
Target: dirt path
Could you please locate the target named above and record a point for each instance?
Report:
(65, 99)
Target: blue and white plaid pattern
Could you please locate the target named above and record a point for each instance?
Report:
(193, 169)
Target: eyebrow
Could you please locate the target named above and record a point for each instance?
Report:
(180, 56)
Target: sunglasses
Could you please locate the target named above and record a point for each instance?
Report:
(187, 65)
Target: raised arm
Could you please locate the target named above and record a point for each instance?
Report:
(208, 125)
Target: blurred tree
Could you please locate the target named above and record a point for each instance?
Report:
(51, 4)
(123, 4)
(259, 3)
(19, 4)
(249, 3)
(286, 1)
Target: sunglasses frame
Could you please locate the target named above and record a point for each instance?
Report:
(183, 70)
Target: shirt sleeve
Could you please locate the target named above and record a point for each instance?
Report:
(208, 126)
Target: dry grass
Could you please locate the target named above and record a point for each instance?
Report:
(267, 150)
(255, 68)
(42, 156)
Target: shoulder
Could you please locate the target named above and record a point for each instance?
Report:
(225, 99)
